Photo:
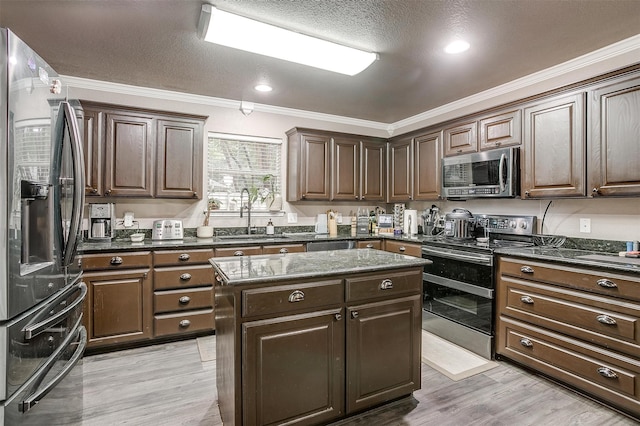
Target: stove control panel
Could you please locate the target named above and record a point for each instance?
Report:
(515, 225)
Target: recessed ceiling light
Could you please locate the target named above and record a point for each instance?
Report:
(457, 46)
(263, 88)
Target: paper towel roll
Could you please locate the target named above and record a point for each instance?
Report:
(410, 222)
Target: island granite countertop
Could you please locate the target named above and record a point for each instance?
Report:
(574, 257)
(242, 270)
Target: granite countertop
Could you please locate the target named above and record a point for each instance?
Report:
(576, 257)
(276, 267)
(237, 240)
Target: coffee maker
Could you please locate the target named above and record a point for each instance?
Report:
(101, 221)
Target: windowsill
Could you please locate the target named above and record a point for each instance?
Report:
(254, 213)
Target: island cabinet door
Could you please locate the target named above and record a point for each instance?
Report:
(384, 346)
(293, 369)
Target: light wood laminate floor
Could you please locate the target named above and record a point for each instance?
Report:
(169, 385)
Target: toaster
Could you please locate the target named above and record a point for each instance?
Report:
(167, 229)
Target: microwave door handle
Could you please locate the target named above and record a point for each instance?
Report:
(34, 329)
(503, 164)
(78, 183)
(34, 398)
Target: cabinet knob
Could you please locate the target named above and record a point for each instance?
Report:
(603, 282)
(283, 251)
(185, 277)
(195, 194)
(606, 320)
(526, 299)
(356, 197)
(459, 151)
(116, 260)
(526, 193)
(595, 191)
(238, 253)
(354, 314)
(184, 323)
(607, 373)
(94, 190)
(108, 191)
(296, 296)
(184, 257)
(369, 245)
(386, 284)
(498, 143)
(338, 317)
(526, 342)
(526, 270)
(303, 196)
(184, 300)
(403, 248)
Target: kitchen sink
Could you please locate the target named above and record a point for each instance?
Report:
(251, 237)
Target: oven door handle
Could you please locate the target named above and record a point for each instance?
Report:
(28, 403)
(483, 260)
(487, 293)
(33, 330)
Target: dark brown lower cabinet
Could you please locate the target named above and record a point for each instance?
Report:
(293, 369)
(383, 351)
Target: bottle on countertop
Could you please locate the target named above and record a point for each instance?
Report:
(270, 228)
(353, 226)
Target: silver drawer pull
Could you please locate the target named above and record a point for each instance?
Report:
(526, 342)
(185, 323)
(369, 245)
(402, 248)
(526, 270)
(238, 253)
(184, 257)
(386, 284)
(296, 296)
(185, 277)
(603, 282)
(606, 319)
(283, 251)
(526, 299)
(338, 317)
(607, 372)
(116, 260)
(184, 300)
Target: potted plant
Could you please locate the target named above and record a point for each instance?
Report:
(206, 231)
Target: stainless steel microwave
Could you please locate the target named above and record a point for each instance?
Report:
(494, 173)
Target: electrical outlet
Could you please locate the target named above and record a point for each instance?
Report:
(585, 225)
(292, 217)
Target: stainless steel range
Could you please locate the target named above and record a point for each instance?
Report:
(458, 287)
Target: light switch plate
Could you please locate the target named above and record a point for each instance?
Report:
(585, 225)
(128, 219)
(292, 217)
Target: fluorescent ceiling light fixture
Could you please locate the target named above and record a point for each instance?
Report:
(457, 46)
(263, 88)
(227, 29)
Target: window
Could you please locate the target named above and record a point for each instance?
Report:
(236, 162)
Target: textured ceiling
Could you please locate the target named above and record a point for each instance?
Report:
(153, 43)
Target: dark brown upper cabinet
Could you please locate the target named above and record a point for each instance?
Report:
(427, 183)
(358, 169)
(461, 138)
(308, 171)
(400, 176)
(373, 170)
(554, 148)
(501, 130)
(131, 152)
(615, 139)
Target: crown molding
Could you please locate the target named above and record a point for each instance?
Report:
(608, 53)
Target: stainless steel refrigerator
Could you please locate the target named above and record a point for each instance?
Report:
(41, 203)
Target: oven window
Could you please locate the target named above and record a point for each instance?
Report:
(456, 305)
(470, 273)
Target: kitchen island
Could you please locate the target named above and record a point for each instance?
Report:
(308, 338)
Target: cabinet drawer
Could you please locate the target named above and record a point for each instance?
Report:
(238, 251)
(374, 244)
(387, 285)
(182, 276)
(294, 297)
(593, 369)
(403, 248)
(289, 248)
(121, 260)
(183, 300)
(181, 257)
(179, 323)
(607, 321)
(611, 284)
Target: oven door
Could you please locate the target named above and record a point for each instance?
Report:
(458, 286)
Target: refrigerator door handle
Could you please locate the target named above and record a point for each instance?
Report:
(78, 183)
(34, 329)
(29, 402)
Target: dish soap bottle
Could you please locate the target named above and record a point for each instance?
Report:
(270, 228)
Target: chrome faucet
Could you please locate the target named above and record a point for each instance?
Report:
(248, 208)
